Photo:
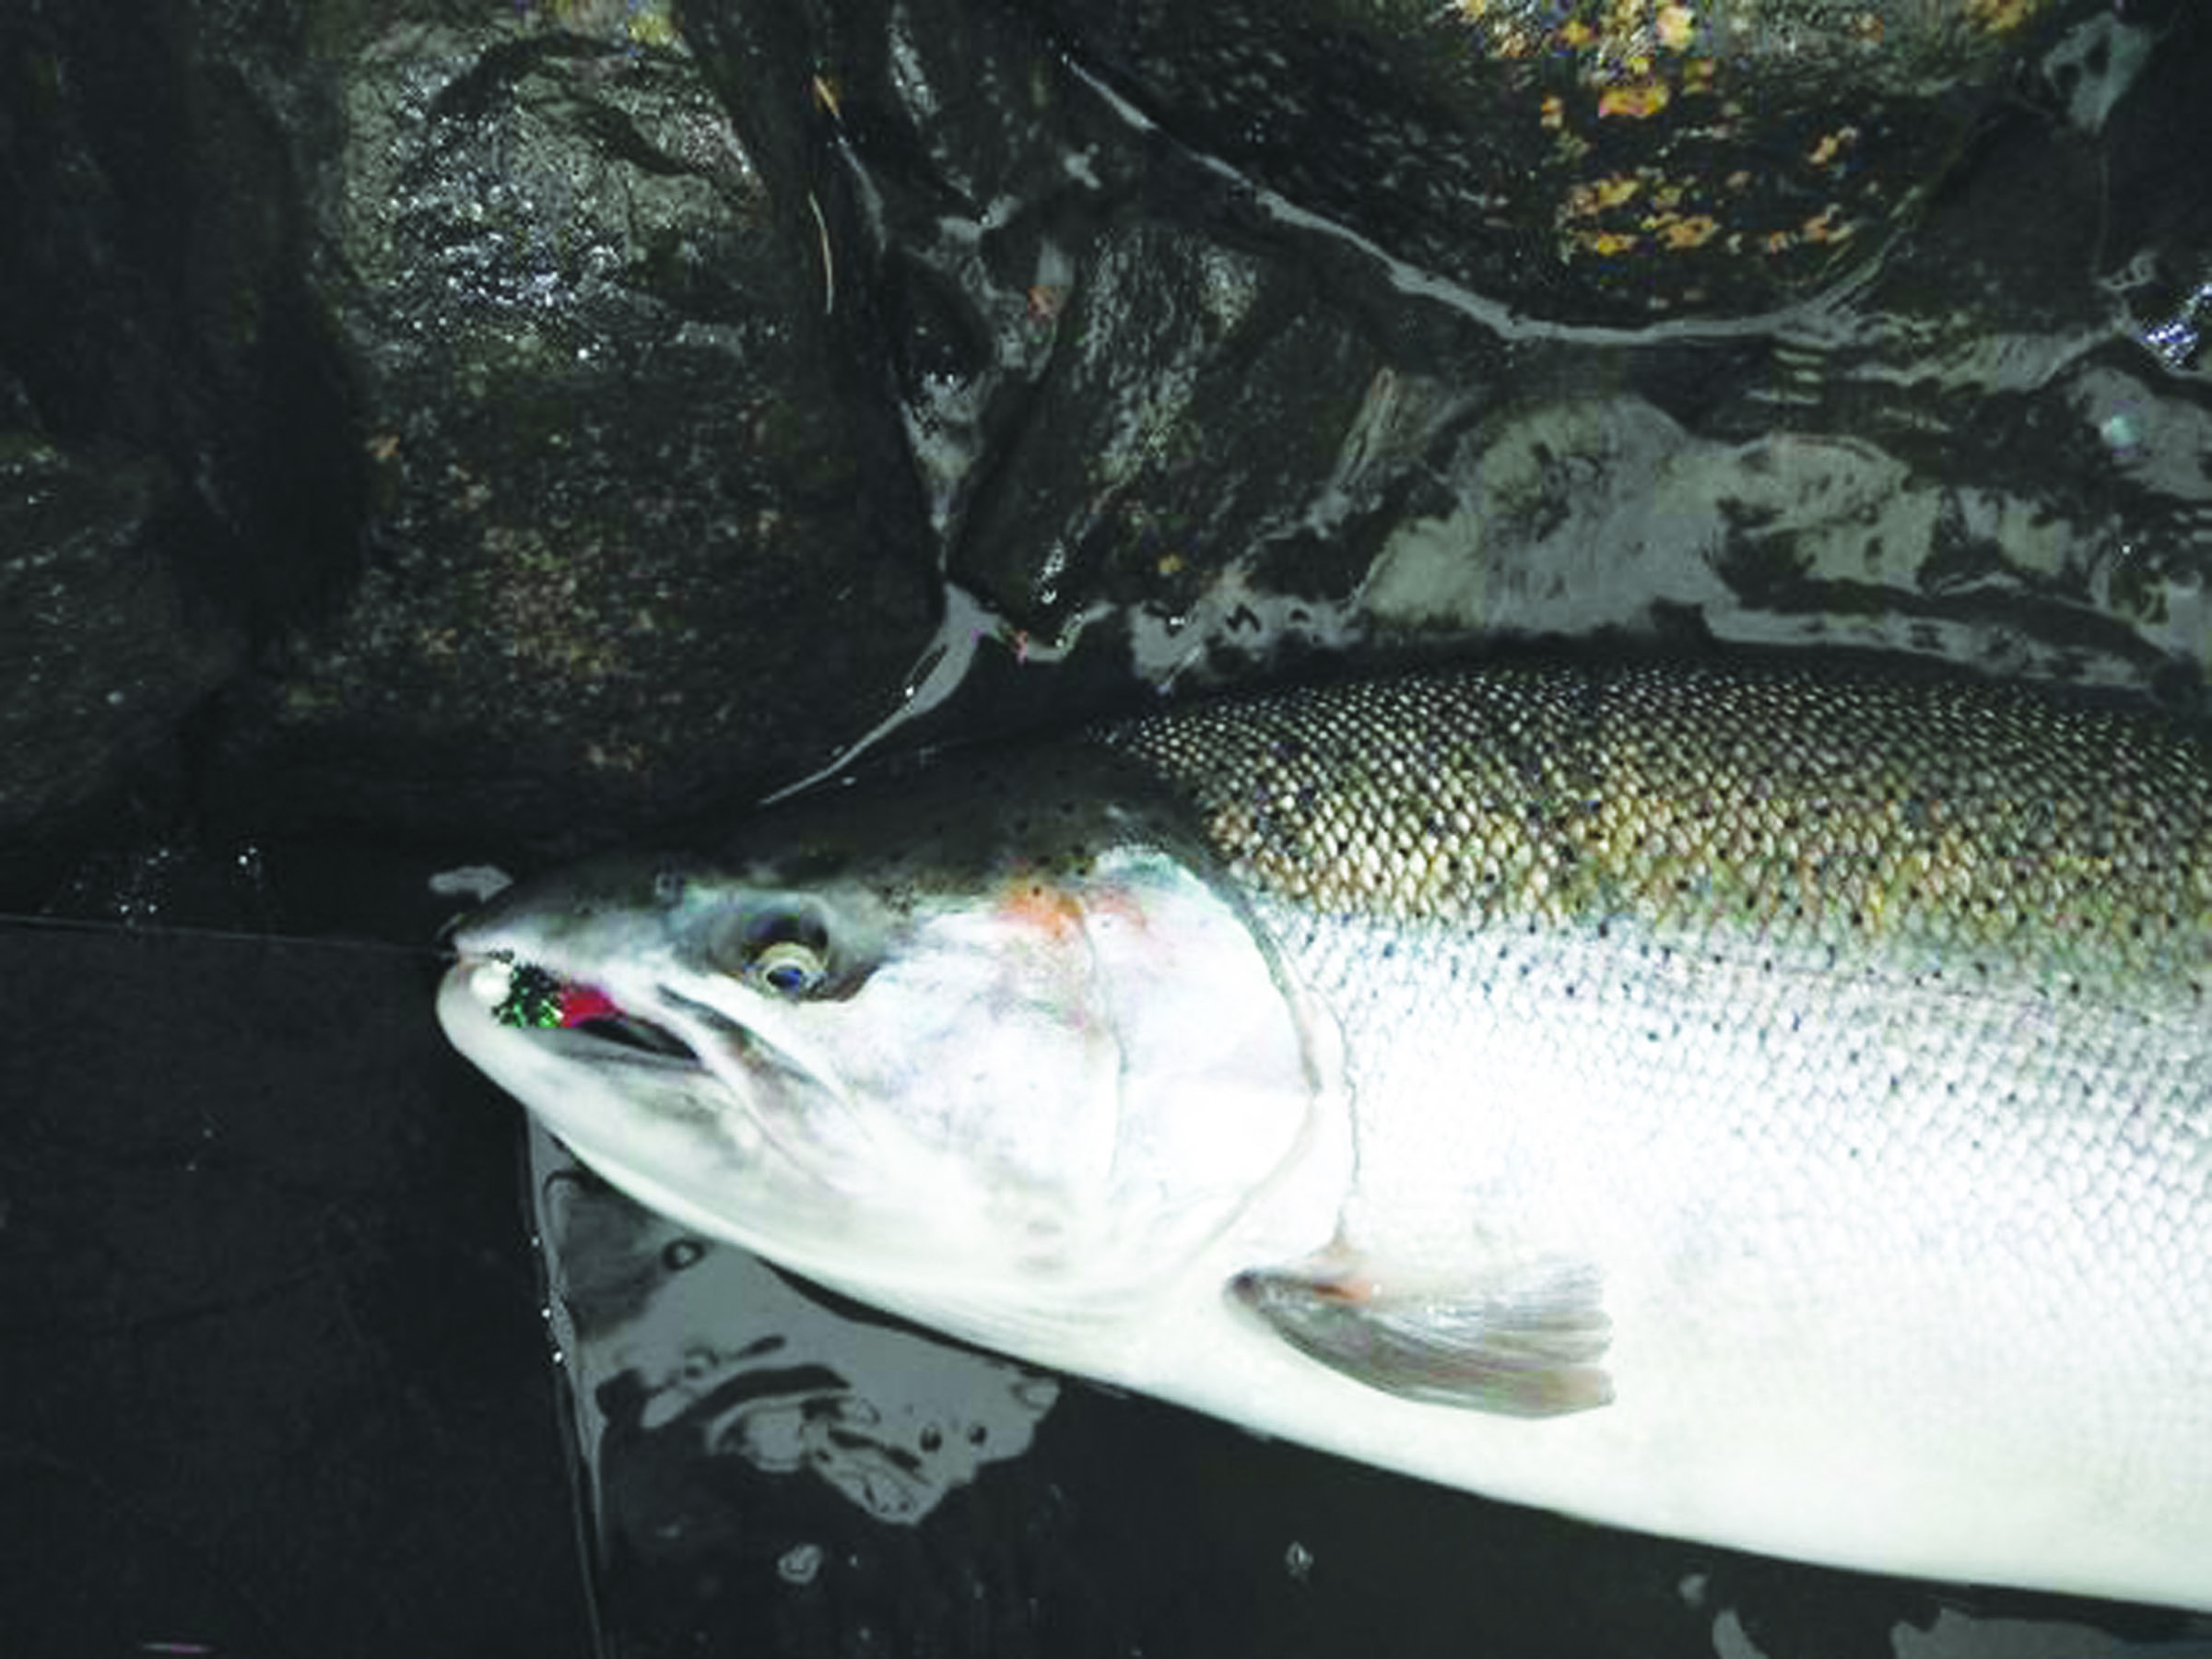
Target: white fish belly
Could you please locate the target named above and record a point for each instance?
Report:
(1912, 1277)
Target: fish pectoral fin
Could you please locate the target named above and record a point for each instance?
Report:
(1520, 1341)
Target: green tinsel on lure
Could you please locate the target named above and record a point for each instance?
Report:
(534, 998)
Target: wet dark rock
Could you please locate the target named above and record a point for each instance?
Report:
(604, 447)
(961, 174)
(513, 411)
(1195, 406)
(152, 294)
(2156, 245)
(563, 414)
(1607, 163)
(107, 648)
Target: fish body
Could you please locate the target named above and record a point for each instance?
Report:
(1737, 1103)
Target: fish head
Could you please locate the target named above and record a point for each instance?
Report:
(993, 1056)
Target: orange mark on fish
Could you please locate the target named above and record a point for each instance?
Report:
(1041, 907)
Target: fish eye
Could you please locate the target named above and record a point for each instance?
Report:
(780, 947)
(791, 968)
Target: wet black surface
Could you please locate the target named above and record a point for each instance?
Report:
(275, 1377)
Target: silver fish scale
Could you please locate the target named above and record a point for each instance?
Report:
(1949, 827)
(1895, 987)
(1920, 1191)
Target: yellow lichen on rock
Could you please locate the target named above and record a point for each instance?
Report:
(1635, 101)
(1678, 231)
(2000, 16)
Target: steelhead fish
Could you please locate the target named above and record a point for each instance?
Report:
(1754, 1107)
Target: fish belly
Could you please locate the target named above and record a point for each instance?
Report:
(1900, 1277)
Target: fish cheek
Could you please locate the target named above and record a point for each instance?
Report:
(984, 1039)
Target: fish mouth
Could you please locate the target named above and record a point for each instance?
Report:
(585, 1022)
(528, 997)
(638, 1036)
(649, 1083)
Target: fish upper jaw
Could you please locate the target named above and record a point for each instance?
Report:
(526, 1009)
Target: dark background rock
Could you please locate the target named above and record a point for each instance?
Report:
(611, 445)
(506, 411)
(154, 296)
(108, 646)
(1197, 403)
(517, 372)
(1591, 162)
